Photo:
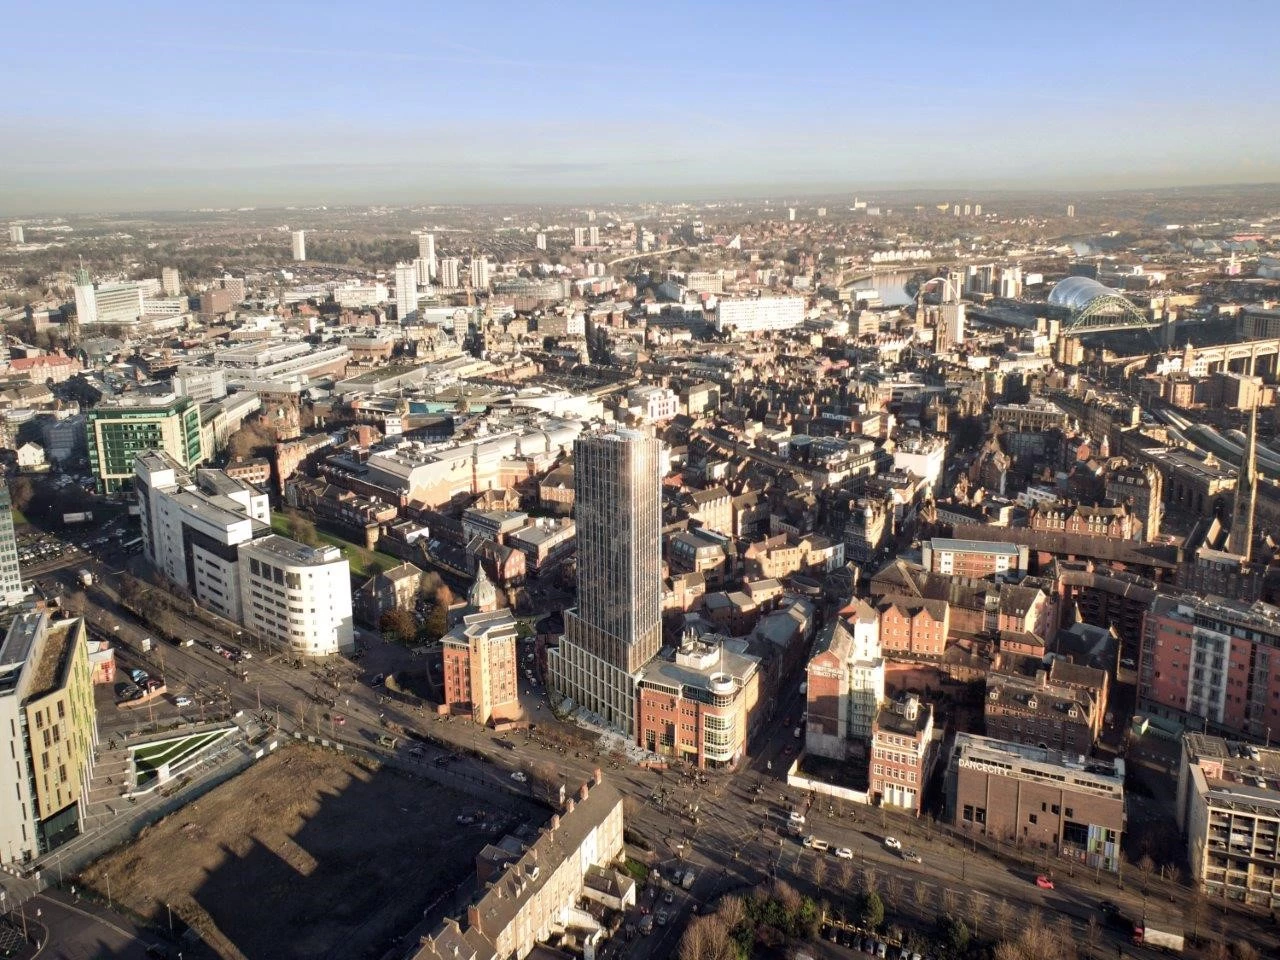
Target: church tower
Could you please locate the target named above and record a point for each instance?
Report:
(1240, 539)
(483, 597)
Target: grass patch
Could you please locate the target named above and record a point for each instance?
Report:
(152, 757)
(637, 870)
(358, 558)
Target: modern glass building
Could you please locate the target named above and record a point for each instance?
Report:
(10, 575)
(617, 626)
(119, 430)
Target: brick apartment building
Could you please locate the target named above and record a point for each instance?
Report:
(913, 626)
(1048, 702)
(1039, 799)
(973, 558)
(1214, 662)
(902, 753)
(1113, 521)
(480, 666)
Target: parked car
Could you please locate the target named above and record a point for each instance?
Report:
(669, 897)
(183, 701)
(844, 853)
(519, 776)
(893, 843)
(912, 857)
(1044, 883)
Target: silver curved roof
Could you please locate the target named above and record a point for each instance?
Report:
(1076, 293)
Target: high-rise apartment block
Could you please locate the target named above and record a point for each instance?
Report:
(119, 430)
(15, 233)
(540, 241)
(406, 292)
(171, 281)
(593, 236)
(1212, 662)
(616, 627)
(450, 268)
(10, 575)
(299, 239)
(579, 236)
(48, 732)
(427, 252)
(479, 273)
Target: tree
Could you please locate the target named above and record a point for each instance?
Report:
(21, 492)
(1004, 915)
(871, 910)
(847, 871)
(819, 871)
(254, 438)
(399, 622)
(1146, 865)
(1243, 950)
(1093, 934)
(955, 934)
(302, 529)
(977, 909)
(430, 585)
(436, 623)
(892, 891)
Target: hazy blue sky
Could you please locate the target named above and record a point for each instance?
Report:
(154, 105)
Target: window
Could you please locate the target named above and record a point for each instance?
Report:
(1032, 817)
(968, 812)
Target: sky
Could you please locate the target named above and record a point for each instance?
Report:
(149, 106)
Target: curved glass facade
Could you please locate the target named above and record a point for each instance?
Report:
(1076, 293)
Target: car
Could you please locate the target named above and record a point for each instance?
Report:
(912, 857)
(1108, 907)
(1044, 883)
(796, 817)
(661, 918)
(519, 776)
(807, 841)
(893, 843)
(844, 853)
(669, 897)
(339, 719)
(183, 701)
(139, 676)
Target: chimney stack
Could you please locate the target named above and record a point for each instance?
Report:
(598, 777)
(568, 806)
(555, 822)
(582, 792)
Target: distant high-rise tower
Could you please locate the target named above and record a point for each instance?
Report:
(479, 273)
(1240, 539)
(15, 232)
(449, 268)
(616, 627)
(171, 281)
(299, 245)
(406, 292)
(791, 213)
(955, 210)
(977, 209)
(1071, 209)
(422, 272)
(967, 209)
(593, 236)
(10, 575)
(579, 236)
(540, 241)
(591, 216)
(822, 211)
(427, 252)
(86, 299)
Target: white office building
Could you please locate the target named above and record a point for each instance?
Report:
(191, 529)
(355, 295)
(406, 292)
(540, 241)
(299, 238)
(759, 313)
(297, 596)
(171, 281)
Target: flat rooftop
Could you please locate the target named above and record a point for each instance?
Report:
(292, 552)
(972, 546)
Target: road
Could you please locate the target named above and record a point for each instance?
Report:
(736, 838)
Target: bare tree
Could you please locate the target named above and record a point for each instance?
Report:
(1004, 915)
(819, 872)
(732, 911)
(1197, 910)
(870, 881)
(1243, 950)
(893, 891)
(847, 876)
(1065, 936)
(1093, 934)
(949, 899)
(921, 891)
(977, 909)
(1146, 865)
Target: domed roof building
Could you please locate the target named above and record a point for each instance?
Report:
(1088, 300)
(483, 597)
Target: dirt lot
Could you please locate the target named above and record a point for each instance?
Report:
(307, 854)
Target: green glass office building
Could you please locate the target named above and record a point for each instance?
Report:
(121, 429)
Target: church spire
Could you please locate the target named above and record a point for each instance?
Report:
(1240, 540)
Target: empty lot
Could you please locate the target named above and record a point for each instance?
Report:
(309, 853)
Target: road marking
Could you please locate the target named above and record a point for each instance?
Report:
(92, 916)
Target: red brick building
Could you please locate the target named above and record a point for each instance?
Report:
(480, 666)
(1113, 521)
(902, 753)
(913, 626)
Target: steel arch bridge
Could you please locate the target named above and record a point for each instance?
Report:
(1107, 313)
